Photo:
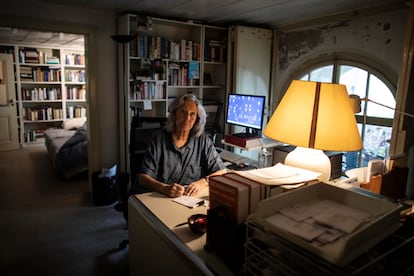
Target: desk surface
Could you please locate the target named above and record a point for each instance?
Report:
(170, 214)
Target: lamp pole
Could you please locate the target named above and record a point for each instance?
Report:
(123, 80)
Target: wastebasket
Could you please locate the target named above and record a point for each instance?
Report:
(103, 189)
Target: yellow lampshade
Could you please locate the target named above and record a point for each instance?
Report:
(315, 115)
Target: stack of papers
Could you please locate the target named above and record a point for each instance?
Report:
(322, 221)
(280, 174)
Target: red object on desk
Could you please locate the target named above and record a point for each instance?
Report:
(243, 141)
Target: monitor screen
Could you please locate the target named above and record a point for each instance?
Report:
(245, 110)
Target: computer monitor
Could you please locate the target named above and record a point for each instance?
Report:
(246, 111)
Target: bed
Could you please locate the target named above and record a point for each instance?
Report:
(67, 147)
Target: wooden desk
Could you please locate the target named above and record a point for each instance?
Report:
(157, 247)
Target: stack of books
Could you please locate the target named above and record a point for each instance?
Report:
(244, 142)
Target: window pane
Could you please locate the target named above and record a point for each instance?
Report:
(322, 74)
(380, 93)
(355, 80)
(375, 143)
(350, 159)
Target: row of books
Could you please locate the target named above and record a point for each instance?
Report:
(42, 113)
(135, 111)
(75, 75)
(40, 74)
(75, 112)
(34, 135)
(184, 74)
(41, 94)
(145, 69)
(74, 59)
(147, 46)
(214, 51)
(148, 90)
(35, 56)
(76, 93)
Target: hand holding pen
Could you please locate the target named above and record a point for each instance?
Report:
(175, 190)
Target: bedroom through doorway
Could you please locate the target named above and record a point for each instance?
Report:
(51, 93)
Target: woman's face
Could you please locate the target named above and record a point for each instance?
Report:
(186, 116)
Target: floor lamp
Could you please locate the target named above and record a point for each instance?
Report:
(314, 117)
(124, 40)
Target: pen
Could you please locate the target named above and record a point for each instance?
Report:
(198, 204)
(181, 224)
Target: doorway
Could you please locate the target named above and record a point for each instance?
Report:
(50, 87)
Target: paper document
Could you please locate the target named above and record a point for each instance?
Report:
(189, 201)
(280, 174)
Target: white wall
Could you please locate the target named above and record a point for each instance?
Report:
(376, 40)
(101, 62)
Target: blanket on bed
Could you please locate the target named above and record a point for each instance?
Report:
(68, 150)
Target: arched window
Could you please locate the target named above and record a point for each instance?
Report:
(374, 121)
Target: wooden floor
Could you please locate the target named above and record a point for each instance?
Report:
(50, 226)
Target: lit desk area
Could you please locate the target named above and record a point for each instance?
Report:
(157, 247)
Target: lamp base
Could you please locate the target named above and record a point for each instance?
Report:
(310, 159)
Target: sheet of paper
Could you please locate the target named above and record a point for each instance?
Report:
(189, 201)
(301, 229)
(147, 105)
(280, 174)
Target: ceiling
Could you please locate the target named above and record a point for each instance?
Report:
(268, 13)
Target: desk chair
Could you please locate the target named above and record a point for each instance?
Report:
(142, 128)
(212, 127)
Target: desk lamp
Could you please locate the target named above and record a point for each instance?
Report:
(314, 116)
(356, 105)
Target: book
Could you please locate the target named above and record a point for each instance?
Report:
(238, 195)
(233, 198)
(257, 190)
(193, 72)
(244, 142)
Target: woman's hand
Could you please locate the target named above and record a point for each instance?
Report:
(174, 190)
(195, 187)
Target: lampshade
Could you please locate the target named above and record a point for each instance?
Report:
(315, 115)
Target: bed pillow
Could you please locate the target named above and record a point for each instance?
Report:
(73, 124)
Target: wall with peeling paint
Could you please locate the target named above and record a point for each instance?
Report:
(376, 41)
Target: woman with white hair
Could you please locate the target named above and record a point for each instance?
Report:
(181, 158)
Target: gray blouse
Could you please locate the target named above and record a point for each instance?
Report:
(169, 164)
